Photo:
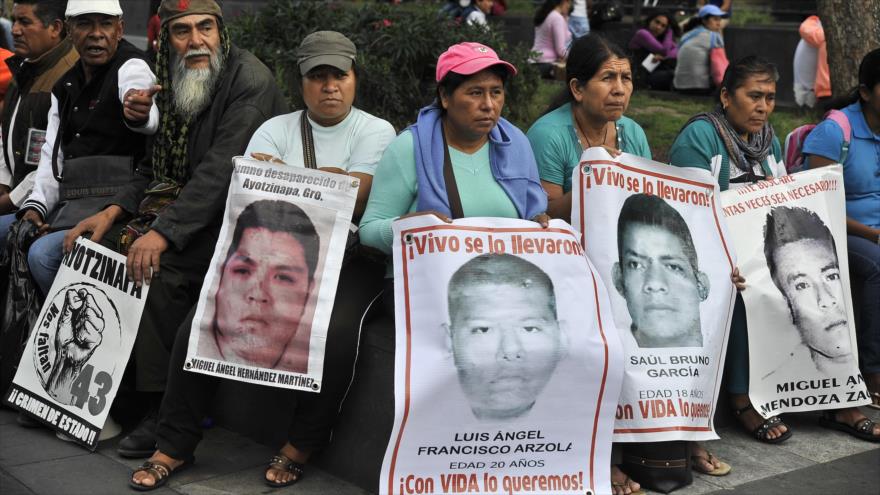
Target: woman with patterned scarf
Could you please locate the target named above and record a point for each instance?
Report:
(738, 133)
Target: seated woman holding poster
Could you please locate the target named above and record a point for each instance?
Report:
(825, 145)
(332, 135)
(656, 40)
(587, 113)
(460, 136)
(739, 135)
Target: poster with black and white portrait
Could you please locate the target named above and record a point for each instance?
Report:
(654, 233)
(265, 306)
(77, 352)
(507, 364)
(790, 234)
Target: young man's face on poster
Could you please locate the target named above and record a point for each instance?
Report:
(506, 343)
(264, 288)
(662, 290)
(809, 277)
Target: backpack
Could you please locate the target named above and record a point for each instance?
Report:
(794, 141)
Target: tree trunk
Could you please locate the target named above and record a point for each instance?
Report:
(852, 29)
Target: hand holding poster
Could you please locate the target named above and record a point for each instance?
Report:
(265, 305)
(654, 235)
(75, 357)
(506, 375)
(790, 234)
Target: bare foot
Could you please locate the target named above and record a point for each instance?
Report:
(282, 476)
(148, 478)
(852, 416)
(752, 420)
(621, 484)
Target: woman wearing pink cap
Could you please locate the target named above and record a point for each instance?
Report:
(493, 166)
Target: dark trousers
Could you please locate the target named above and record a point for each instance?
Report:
(189, 396)
(174, 291)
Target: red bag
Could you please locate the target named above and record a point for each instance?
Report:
(718, 64)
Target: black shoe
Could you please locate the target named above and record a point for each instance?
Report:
(26, 421)
(141, 442)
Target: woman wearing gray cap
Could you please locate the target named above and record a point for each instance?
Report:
(331, 135)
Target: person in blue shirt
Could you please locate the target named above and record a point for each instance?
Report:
(861, 178)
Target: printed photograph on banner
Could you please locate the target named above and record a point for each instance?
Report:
(507, 364)
(790, 234)
(654, 233)
(264, 308)
(75, 357)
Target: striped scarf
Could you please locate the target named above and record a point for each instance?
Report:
(170, 164)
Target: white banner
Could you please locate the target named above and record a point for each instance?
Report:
(790, 234)
(654, 233)
(507, 367)
(266, 302)
(75, 357)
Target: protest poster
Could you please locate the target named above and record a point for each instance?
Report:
(507, 366)
(654, 233)
(790, 235)
(76, 354)
(265, 305)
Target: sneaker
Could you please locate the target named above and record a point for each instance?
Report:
(111, 430)
(141, 442)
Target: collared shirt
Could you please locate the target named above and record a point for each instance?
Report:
(861, 168)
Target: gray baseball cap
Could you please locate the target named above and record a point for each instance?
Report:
(325, 48)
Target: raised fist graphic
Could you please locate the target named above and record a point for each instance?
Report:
(78, 334)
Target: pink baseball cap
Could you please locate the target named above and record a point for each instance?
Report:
(469, 58)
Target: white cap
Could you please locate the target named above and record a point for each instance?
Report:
(80, 7)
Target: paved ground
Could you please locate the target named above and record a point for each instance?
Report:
(813, 461)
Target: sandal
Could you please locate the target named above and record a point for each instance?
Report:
(721, 470)
(863, 428)
(283, 463)
(159, 471)
(760, 433)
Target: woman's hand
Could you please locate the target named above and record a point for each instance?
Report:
(658, 57)
(543, 219)
(614, 152)
(429, 212)
(265, 157)
(738, 280)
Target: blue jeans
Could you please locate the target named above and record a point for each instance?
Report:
(6, 221)
(864, 263)
(579, 26)
(44, 258)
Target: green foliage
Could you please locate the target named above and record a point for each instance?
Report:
(397, 52)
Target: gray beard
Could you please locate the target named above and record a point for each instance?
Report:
(192, 89)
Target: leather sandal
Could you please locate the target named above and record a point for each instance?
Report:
(760, 433)
(721, 470)
(283, 463)
(863, 429)
(159, 471)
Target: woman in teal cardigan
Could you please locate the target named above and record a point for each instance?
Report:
(738, 132)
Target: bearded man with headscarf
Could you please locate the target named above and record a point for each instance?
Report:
(212, 96)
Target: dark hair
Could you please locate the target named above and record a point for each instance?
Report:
(670, 19)
(691, 24)
(544, 10)
(452, 80)
(48, 11)
(739, 71)
(787, 224)
(279, 216)
(650, 210)
(585, 58)
(498, 269)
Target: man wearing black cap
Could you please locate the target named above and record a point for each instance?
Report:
(212, 97)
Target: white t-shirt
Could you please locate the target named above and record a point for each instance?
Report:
(579, 9)
(805, 60)
(476, 17)
(354, 145)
